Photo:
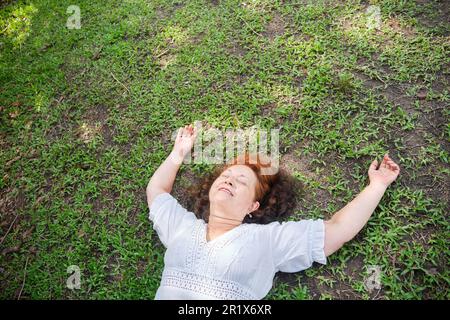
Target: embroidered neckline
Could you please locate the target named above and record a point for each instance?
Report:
(202, 254)
(222, 237)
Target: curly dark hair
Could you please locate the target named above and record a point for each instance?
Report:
(276, 193)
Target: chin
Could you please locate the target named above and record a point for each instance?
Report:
(220, 198)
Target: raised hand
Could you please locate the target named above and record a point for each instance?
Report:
(184, 142)
(385, 174)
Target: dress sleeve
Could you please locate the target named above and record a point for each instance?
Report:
(169, 217)
(297, 244)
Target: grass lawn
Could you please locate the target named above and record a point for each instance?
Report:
(86, 117)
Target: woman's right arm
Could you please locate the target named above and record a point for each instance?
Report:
(164, 177)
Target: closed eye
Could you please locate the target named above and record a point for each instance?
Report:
(242, 182)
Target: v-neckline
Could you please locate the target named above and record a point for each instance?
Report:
(222, 236)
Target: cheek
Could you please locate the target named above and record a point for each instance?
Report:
(244, 194)
(215, 184)
(213, 187)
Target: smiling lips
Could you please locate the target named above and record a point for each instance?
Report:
(226, 190)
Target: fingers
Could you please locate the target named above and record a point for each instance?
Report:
(373, 165)
(186, 131)
(189, 130)
(384, 161)
(393, 166)
(388, 163)
(179, 134)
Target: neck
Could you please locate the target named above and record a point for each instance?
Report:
(219, 219)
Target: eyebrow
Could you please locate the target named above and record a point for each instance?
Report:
(242, 175)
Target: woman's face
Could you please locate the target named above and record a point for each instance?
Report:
(235, 189)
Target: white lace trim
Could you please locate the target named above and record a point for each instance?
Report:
(202, 256)
(218, 289)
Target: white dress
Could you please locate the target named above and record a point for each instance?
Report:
(239, 264)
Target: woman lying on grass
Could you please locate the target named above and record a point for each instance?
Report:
(232, 246)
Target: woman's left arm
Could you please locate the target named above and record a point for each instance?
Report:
(347, 222)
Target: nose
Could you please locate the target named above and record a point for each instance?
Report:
(228, 181)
